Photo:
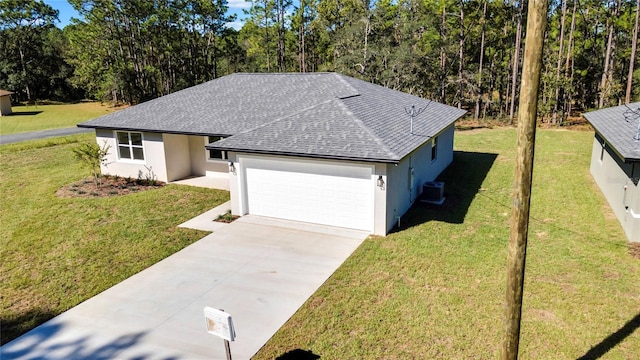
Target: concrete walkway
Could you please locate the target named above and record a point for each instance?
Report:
(211, 180)
(257, 269)
(205, 221)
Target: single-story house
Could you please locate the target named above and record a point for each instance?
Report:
(5, 102)
(615, 162)
(317, 147)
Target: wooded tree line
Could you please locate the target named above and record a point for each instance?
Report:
(465, 53)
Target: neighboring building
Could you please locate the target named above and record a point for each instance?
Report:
(316, 147)
(5, 102)
(615, 162)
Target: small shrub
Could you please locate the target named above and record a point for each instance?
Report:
(148, 178)
(226, 217)
(92, 156)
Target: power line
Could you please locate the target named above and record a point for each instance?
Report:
(631, 115)
(414, 113)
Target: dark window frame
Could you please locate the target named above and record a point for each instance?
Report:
(215, 155)
(434, 149)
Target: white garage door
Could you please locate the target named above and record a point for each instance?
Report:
(311, 191)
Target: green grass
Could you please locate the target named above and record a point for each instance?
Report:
(436, 288)
(45, 117)
(57, 252)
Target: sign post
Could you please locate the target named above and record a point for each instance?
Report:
(219, 323)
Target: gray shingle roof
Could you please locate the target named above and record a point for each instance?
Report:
(619, 132)
(313, 114)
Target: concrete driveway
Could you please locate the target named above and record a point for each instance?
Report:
(259, 270)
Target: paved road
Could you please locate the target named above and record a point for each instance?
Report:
(257, 269)
(14, 138)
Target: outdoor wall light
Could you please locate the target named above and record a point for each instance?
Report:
(380, 182)
(232, 167)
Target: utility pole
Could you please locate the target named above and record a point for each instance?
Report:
(527, 114)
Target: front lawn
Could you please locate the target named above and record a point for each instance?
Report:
(435, 289)
(45, 117)
(56, 252)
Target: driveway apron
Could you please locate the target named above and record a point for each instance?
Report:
(259, 270)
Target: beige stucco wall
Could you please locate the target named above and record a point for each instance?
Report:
(616, 181)
(5, 105)
(154, 156)
(170, 156)
(199, 164)
(177, 155)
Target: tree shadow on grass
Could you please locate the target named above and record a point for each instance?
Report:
(298, 354)
(612, 340)
(463, 180)
(14, 326)
(23, 113)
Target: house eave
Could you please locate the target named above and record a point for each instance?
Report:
(120, 128)
(303, 155)
(625, 159)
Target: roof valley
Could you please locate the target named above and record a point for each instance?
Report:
(376, 138)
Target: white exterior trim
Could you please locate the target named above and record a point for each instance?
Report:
(131, 147)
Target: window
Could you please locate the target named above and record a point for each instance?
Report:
(434, 149)
(215, 154)
(130, 145)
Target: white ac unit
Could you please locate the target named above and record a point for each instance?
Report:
(433, 192)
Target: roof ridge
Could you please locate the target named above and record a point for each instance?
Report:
(284, 73)
(281, 118)
(345, 82)
(375, 137)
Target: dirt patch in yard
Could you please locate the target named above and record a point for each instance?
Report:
(634, 249)
(109, 186)
(573, 122)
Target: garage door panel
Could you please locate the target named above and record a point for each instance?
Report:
(326, 193)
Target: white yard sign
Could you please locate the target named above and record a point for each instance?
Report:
(219, 323)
